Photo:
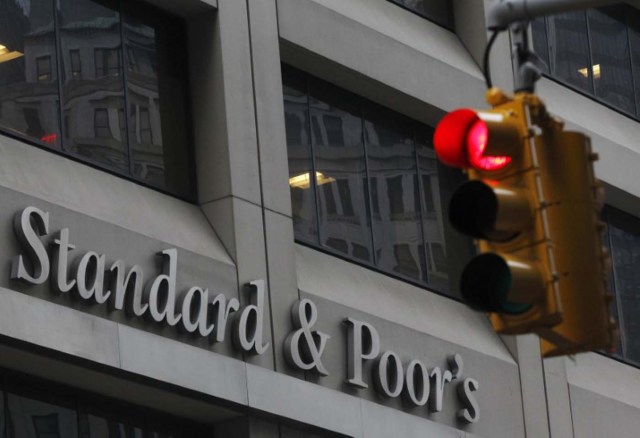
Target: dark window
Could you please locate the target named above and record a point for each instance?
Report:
(405, 262)
(43, 68)
(76, 63)
(33, 408)
(439, 11)
(145, 126)
(379, 193)
(88, 97)
(107, 62)
(301, 181)
(623, 239)
(594, 51)
(101, 123)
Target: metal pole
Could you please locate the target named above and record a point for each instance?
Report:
(502, 13)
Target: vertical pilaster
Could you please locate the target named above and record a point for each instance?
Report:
(274, 170)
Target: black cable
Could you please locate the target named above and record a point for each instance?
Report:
(485, 65)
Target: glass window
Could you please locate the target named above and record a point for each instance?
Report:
(391, 156)
(33, 418)
(3, 421)
(569, 49)
(439, 11)
(624, 243)
(76, 63)
(595, 51)
(38, 409)
(372, 179)
(301, 181)
(340, 166)
(633, 20)
(28, 88)
(540, 42)
(611, 61)
(148, 140)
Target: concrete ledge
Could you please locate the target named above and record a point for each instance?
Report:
(76, 186)
(422, 61)
(288, 397)
(183, 365)
(59, 328)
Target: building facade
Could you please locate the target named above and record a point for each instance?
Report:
(225, 218)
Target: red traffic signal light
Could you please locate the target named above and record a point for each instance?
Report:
(462, 137)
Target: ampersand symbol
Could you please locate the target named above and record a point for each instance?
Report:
(305, 355)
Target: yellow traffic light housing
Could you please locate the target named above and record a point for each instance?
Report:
(528, 183)
(581, 261)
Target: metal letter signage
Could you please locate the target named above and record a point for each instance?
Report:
(418, 384)
(87, 277)
(248, 331)
(93, 277)
(308, 356)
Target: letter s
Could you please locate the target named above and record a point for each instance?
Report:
(28, 226)
(471, 411)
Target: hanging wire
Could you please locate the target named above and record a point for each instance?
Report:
(485, 65)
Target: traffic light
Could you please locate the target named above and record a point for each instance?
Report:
(530, 202)
(575, 198)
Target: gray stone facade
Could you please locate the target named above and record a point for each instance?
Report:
(241, 231)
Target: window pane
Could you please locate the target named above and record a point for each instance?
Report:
(340, 163)
(156, 84)
(99, 427)
(633, 17)
(392, 162)
(296, 114)
(624, 231)
(569, 49)
(3, 420)
(540, 42)
(611, 60)
(432, 212)
(28, 88)
(30, 418)
(101, 92)
(439, 11)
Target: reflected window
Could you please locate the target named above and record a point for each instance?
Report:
(365, 183)
(76, 63)
(94, 35)
(107, 62)
(43, 69)
(594, 51)
(33, 408)
(439, 11)
(101, 123)
(32, 417)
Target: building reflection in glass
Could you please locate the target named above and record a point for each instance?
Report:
(115, 84)
(28, 83)
(377, 191)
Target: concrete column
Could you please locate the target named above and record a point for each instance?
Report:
(558, 399)
(274, 170)
(526, 351)
(242, 154)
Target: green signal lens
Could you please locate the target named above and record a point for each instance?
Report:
(486, 283)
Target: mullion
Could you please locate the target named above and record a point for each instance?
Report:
(124, 62)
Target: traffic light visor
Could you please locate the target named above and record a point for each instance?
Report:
(461, 140)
